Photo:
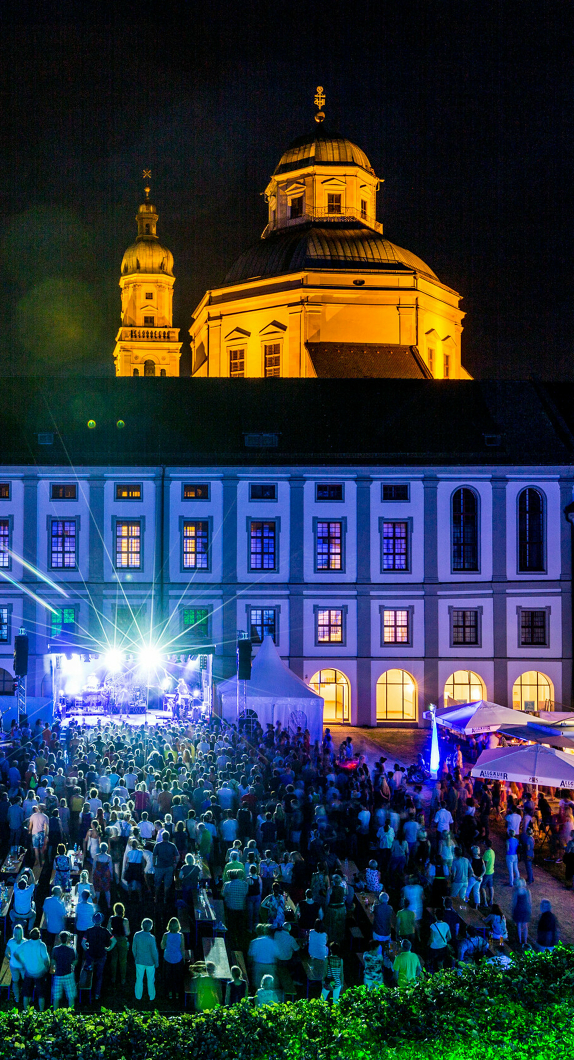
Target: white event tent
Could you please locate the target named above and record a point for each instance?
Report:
(275, 694)
(532, 764)
(480, 716)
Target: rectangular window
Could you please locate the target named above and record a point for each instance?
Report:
(195, 546)
(130, 492)
(296, 207)
(149, 321)
(196, 621)
(262, 491)
(4, 543)
(464, 627)
(395, 541)
(333, 203)
(128, 544)
(4, 627)
(330, 626)
(329, 546)
(396, 491)
(63, 544)
(149, 296)
(363, 209)
(447, 366)
(272, 358)
(262, 623)
(64, 621)
(196, 491)
(4, 491)
(396, 627)
(431, 359)
(64, 491)
(533, 628)
(262, 546)
(237, 363)
(131, 619)
(329, 491)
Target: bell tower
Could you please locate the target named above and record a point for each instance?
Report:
(147, 343)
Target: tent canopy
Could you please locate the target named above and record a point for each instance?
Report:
(275, 694)
(480, 716)
(527, 765)
(540, 733)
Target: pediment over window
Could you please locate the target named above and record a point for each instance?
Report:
(334, 182)
(237, 333)
(296, 188)
(273, 327)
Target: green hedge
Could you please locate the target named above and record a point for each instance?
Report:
(485, 1013)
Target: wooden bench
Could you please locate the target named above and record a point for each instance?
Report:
(214, 951)
(6, 976)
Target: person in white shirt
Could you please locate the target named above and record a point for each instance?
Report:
(55, 912)
(443, 820)
(285, 944)
(146, 828)
(16, 969)
(33, 957)
(24, 908)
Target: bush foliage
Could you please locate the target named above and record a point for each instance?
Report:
(482, 1013)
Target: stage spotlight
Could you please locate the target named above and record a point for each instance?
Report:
(150, 658)
(113, 660)
(196, 693)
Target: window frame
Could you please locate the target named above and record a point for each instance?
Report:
(137, 611)
(342, 519)
(258, 500)
(276, 608)
(128, 486)
(335, 195)
(194, 485)
(465, 644)
(329, 500)
(544, 568)
(258, 570)
(343, 608)
(7, 496)
(117, 519)
(300, 199)
(464, 571)
(395, 500)
(187, 519)
(51, 519)
(398, 721)
(65, 607)
(234, 350)
(363, 209)
(408, 521)
(8, 608)
(267, 343)
(63, 486)
(202, 638)
(394, 644)
(148, 322)
(520, 609)
(9, 519)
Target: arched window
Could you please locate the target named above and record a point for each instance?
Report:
(162, 371)
(533, 691)
(147, 229)
(136, 371)
(530, 530)
(464, 529)
(463, 686)
(149, 368)
(396, 696)
(6, 683)
(335, 689)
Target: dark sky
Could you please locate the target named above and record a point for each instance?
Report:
(464, 108)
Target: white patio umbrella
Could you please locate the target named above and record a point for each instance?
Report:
(533, 764)
(480, 716)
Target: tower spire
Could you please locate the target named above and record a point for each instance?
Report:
(320, 103)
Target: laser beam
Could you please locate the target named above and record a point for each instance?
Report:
(39, 573)
(24, 589)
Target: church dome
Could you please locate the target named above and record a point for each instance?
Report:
(322, 146)
(333, 246)
(147, 254)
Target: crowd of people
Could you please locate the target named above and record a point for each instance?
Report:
(288, 834)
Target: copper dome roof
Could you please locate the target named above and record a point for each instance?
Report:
(323, 146)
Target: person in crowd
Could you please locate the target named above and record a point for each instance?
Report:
(134, 868)
(546, 929)
(496, 921)
(102, 874)
(146, 957)
(318, 952)
(373, 965)
(439, 938)
(54, 914)
(173, 947)
(521, 909)
(33, 958)
(62, 869)
(512, 857)
(234, 893)
(267, 994)
(383, 919)
(38, 829)
(165, 859)
(333, 979)
(119, 927)
(205, 988)
(62, 964)
(97, 943)
(263, 954)
(85, 911)
(16, 968)
(24, 910)
(407, 966)
(236, 987)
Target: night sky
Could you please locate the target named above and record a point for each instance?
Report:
(465, 109)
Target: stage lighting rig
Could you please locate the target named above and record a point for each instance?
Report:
(113, 660)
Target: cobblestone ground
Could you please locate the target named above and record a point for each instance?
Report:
(403, 745)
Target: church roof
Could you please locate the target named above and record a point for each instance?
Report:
(323, 146)
(276, 422)
(147, 255)
(366, 360)
(331, 246)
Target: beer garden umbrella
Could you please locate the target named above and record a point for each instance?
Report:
(533, 764)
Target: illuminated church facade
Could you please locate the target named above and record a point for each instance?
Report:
(342, 485)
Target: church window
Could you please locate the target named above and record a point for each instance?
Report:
(147, 229)
(136, 371)
(149, 295)
(237, 363)
(333, 203)
(296, 207)
(431, 359)
(272, 356)
(149, 368)
(364, 209)
(148, 321)
(447, 366)
(162, 371)
(464, 530)
(530, 531)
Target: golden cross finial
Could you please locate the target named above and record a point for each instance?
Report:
(147, 174)
(320, 103)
